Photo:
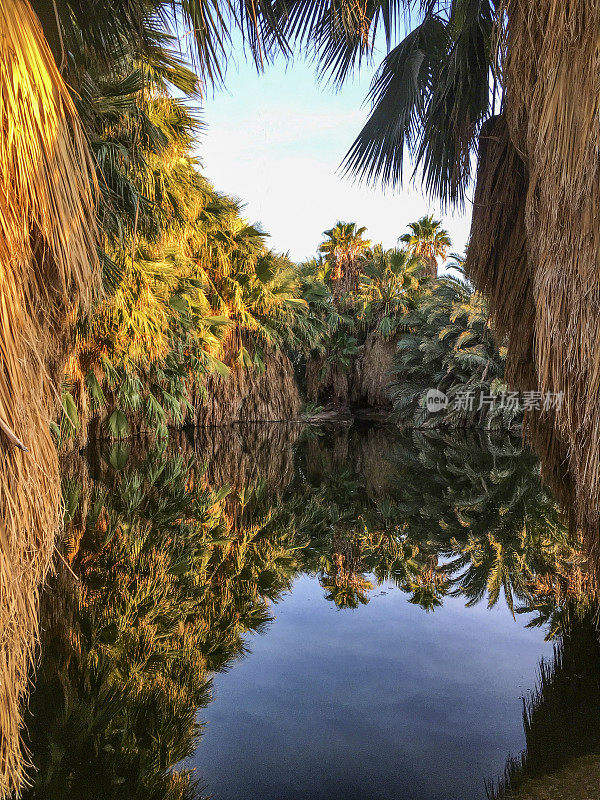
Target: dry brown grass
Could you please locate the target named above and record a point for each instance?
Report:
(47, 255)
(535, 247)
(580, 780)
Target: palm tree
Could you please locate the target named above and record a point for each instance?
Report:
(344, 249)
(47, 266)
(428, 240)
(448, 345)
(391, 285)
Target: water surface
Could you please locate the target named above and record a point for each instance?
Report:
(381, 702)
(278, 612)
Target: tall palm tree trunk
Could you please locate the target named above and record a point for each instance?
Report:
(538, 201)
(431, 268)
(47, 261)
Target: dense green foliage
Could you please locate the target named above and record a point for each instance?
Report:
(450, 347)
(190, 288)
(184, 274)
(395, 325)
(352, 298)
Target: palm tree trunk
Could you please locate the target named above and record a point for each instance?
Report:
(47, 261)
(557, 125)
(431, 267)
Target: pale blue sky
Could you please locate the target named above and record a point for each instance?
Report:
(276, 140)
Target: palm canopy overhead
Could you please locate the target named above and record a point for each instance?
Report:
(430, 94)
(427, 240)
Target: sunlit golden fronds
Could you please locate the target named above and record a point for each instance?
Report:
(47, 258)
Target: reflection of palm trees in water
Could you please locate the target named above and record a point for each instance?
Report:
(437, 515)
(561, 720)
(429, 586)
(170, 581)
(344, 581)
(476, 502)
(179, 557)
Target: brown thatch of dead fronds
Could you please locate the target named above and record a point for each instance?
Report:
(47, 254)
(365, 383)
(327, 381)
(555, 115)
(499, 264)
(372, 372)
(539, 182)
(250, 394)
(497, 257)
(246, 394)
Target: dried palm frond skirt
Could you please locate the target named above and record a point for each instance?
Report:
(47, 259)
(535, 238)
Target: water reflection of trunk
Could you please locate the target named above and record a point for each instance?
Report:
(347, 560)
(75, 484)
(375, 462)
(353, 469)
(561, 720)
(241, 455)
(366, 451)
(255, 461)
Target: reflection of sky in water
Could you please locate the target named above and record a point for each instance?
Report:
(385, 702)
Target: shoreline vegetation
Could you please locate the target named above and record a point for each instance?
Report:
(359, 330)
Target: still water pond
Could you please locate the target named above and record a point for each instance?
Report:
(382, 702)
(273, 612)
